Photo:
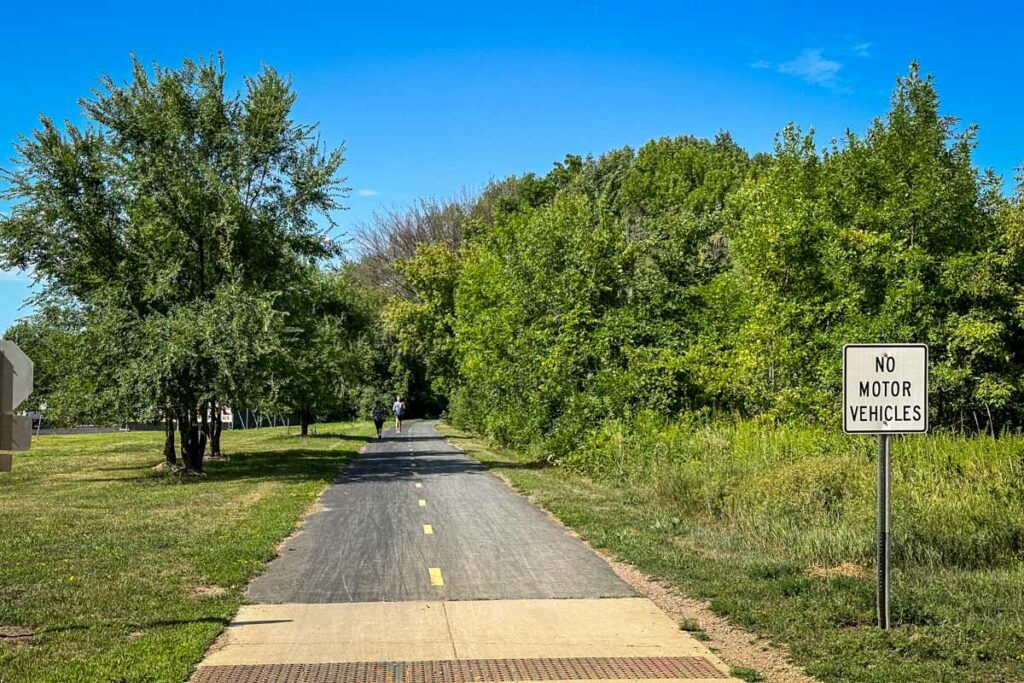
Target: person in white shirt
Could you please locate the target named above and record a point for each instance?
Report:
(399, 409)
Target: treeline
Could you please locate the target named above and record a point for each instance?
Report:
(181, 238)
(687, 278)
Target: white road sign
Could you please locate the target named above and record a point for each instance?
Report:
(885, 388)
(15, 376)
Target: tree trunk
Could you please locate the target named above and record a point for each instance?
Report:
(197, 452)
(204, 428)
(191, 454)
(215, 429)
(304, 423)
(183, 425)
(169, 453)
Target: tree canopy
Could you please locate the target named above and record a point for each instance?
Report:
(173, 224)
(688, 278)
(184, 263)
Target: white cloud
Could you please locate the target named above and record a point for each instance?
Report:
(862, 49)
(812, 68)
(367, 192)
(760, 64)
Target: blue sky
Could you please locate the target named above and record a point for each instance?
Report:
(431, 98)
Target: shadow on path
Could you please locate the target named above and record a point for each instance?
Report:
(393, 467)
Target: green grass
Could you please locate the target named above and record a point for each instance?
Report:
(690, 625)
(775, 527)
(125, 574)
(746, 674)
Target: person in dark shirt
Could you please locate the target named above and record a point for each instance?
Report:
(378, 418)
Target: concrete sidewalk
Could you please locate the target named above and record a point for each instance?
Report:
(264, 637)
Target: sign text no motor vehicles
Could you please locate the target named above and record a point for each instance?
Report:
(885, 388)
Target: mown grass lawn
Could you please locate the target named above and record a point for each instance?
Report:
(951, 624)
(122, 573)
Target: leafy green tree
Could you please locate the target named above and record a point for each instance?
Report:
(687, 278)
(171, 220)
(585, 307)
(423, 326)
(318, 366)
(409, 258)
(51, 338)
(890, 237)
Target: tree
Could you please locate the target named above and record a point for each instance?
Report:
(314, 372)
(51, 338)
(894, 237)
(173, 220)
(423, 326)
(409, 258)
(393, 237)
(584, 306)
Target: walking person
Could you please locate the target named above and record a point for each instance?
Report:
(378, 418)
(399, 410)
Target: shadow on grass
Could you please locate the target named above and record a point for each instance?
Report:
(459, 437)
(67, 628)
(338, 437)
(291, 464)
(466, 443)
(129, 468)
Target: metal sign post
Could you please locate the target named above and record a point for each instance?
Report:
(885, 392)
(884, 522)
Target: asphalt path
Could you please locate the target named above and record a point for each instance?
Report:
(413, 518)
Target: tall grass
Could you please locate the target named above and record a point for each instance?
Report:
(809, 493)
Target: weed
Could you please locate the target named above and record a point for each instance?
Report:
(746, 674)
(689, 625)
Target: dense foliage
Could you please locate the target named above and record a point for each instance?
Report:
(687, 278)
(183, 269)
(177, 241)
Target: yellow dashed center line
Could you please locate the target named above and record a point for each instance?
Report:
(435, 577)
(419, 485)
(428, 530)
(423, 503)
